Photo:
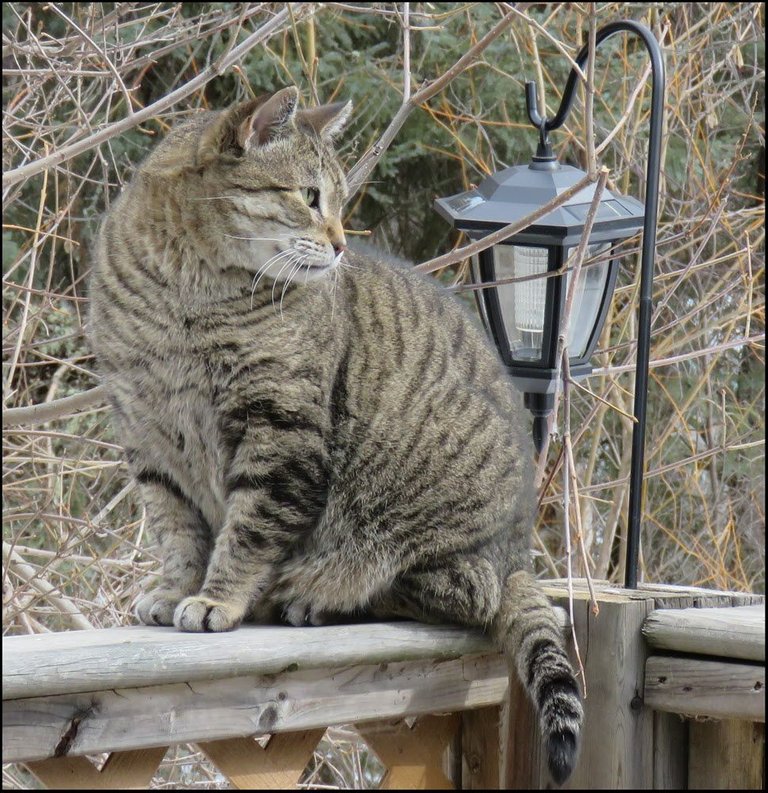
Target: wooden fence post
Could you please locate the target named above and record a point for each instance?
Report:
(483, 748)
(726, 755)
(617, 741)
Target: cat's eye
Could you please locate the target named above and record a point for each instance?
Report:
(311, 196)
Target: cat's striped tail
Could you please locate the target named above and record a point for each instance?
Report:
(527, 630)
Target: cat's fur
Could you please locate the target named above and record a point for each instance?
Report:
(315, 433)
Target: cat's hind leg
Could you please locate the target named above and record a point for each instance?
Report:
(462, 590)
(518, 616)
(333, 581)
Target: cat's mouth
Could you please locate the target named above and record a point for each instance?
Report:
(329, 263)
(303, 269)
(301, 261)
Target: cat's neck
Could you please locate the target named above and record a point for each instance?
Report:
(200, 291)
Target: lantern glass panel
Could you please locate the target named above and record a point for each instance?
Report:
(523, 303)
(590, 289)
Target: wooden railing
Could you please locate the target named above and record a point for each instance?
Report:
(713, 673)
(435, 704)
(134, 691)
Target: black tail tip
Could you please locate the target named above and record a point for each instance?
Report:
(561, 755)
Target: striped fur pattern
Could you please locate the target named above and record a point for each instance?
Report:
(317, 434)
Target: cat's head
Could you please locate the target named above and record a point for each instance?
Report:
(259, 187)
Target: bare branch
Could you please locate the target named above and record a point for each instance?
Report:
(30, 575)
(57, 408)
(367, 162)
(117, 128)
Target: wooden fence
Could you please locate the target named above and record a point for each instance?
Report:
(648, 656)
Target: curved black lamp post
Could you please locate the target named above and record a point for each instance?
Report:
(524, 317)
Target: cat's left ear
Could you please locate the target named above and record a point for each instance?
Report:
(328, 121)
(270, 120)
(248, 124)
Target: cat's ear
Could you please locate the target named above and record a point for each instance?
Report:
(270, 120)
(328, 121)
(249, 124)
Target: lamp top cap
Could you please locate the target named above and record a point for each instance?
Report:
(544, 164)
(512, 193)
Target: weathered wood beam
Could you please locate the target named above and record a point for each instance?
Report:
(659, 593)
(98, 721)
(78, 661)
(697, 687)
(617, 738)
(729, 632)
(620, 747)
(483, 744)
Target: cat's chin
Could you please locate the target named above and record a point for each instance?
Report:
(293, 272)
(308, 272)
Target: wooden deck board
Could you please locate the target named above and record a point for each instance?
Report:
(730, 632)
(132, 718)
(99, 660)
(698, 687)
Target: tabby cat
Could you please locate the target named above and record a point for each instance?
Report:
(316, 434)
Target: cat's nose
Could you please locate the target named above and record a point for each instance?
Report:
(336, 236)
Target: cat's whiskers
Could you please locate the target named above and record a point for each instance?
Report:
(291, 261)
(263, 269)
(261, 272)
(286, 283)
(291, 275)
(256, 239)
(333, 292)
(306, 272)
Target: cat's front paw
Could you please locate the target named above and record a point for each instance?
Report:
(157, 608)
(201, 614)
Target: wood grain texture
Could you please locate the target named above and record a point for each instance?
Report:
(67, 773)
(617, 739)
(278, 766)
(659, 593)
(670, 751)
(482, 746)
(726, 755)
(238, 707)
(698, 687)
(121, 771)
(728, 632)
(670, 735)
(76, 661)
(524, 767)
(414, 757)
